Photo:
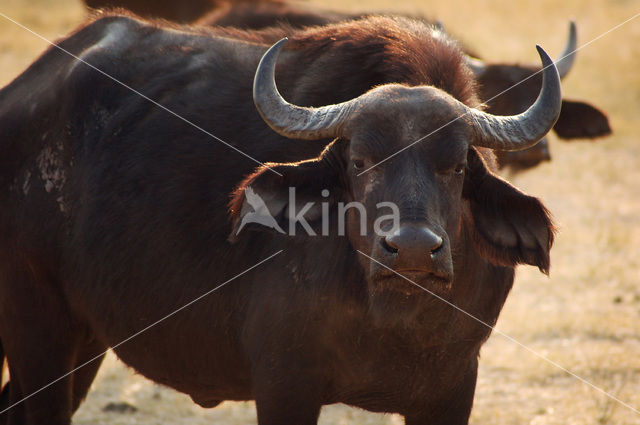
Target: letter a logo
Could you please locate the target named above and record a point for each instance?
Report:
(260, 214)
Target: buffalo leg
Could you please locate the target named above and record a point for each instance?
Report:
(88, 359)
(456, 409)
(1, 364)
(93, 353)
(4, 389)
(40, 341)
(292, 409)
(15, 414)
(39, 371)
(4, 397)
(281, 401)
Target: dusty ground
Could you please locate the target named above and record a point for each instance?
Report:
(585, 316)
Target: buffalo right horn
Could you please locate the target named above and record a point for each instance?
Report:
(295, 122)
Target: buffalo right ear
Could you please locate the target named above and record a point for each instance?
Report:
(263, 200)
(579, 120)
(509, 226)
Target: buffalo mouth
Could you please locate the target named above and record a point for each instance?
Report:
(411, 282)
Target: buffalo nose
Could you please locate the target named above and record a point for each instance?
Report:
(413, 242)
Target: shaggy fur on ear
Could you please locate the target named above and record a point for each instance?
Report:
(309, 177)
(510, 227)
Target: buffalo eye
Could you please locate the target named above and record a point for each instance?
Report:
(358, 164)
(459, 170)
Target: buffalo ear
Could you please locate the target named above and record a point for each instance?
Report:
(509, 226)
(264, 197)
(579, 120)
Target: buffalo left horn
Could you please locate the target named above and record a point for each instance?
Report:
(517, 132)
(295, 122)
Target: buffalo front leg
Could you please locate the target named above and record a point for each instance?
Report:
(283, 398)
(39, 339)
(39, 391)
(452, 410)
(88, 360)
(277, 408)
(11, 391)
(4, 389)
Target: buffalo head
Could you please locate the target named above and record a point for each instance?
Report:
(417, 151)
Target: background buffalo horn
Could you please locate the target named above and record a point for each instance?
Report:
(477, 66)
(568, 55)
(439, 26)
(563, 63)
(295, 122)
(517, 132)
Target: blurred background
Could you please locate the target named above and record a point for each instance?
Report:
(585, 316)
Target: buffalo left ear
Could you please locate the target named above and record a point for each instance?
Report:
(265, 197)
(579, 120)
(510, 227)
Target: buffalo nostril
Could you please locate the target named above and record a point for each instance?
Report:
(389, 245)
(436, 246)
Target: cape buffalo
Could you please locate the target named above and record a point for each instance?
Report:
(118, 214)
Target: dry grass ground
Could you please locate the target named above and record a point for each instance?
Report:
(585, 317)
